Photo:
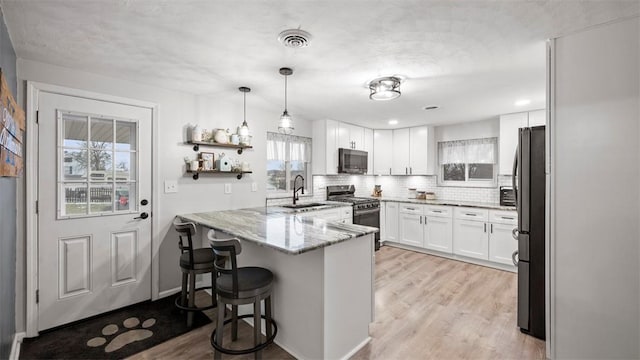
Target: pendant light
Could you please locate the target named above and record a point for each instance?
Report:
(244, 129)
(285, 125)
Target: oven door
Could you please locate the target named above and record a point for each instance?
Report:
(369, 217)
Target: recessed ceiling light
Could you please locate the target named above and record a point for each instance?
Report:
(431, 107)
(393, 122)
(522, 102)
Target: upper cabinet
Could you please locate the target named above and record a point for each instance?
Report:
(350, 137)
(413, 151)
(509, 125)
(400, 152)
(383, 155)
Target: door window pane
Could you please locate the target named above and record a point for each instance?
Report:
(125, 166)
(453, 172)
(75, 130)
(74, 199)
(125, 135)
(101, 163)
(100, 198)
(101, 134)
(74, 163)
(126, 197)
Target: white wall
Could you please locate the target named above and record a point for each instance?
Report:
(177, 111)
(595, 181)
(471, 130)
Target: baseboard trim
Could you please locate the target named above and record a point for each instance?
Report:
(164, 294)
(357, 348)
(15, 346)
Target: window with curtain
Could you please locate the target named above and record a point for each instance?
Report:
(287, 157)
(468, 162)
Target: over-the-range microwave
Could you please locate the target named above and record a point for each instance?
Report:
(352, 161)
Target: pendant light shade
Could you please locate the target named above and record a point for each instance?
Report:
(285, 125)
(244, 129)
(384, 88)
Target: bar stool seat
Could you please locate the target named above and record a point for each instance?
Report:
(202, 259)
(238, 286)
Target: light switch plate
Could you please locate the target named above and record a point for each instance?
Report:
(170, 186)
(254, 187)
(227, 188)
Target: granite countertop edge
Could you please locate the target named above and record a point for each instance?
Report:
(491, 206)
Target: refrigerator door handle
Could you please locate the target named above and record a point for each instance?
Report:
(516, 234)
(513, 258)
(514, 183)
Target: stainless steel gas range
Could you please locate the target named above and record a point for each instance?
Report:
(366, 211)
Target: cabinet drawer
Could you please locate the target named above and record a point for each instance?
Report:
(347, 212)
(471, 214)
(438, 211)
(503, 217)
(411, 209)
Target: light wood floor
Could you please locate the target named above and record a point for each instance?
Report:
(427, 307)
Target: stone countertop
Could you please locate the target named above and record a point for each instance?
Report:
(491, 206)
(279, 228)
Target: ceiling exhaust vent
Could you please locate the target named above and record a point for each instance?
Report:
(294, 38)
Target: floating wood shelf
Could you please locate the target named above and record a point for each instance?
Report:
(197, 144)
(196, 174)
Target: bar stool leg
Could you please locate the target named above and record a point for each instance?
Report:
(213, 288)
(192, 297)
(257, 334)
(217, 355)
(267, 310)
(234, 322)
(183, 293)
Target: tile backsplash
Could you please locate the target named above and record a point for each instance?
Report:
(397, 186)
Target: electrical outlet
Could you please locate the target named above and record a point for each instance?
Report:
(170, 186)
(227, 188)
(254, 187)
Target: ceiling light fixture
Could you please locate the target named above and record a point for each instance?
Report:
(384, 88)
(244, 129)
(285, 125)
(393, 122)
(522, 102)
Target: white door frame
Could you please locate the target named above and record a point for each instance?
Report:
(31, 175)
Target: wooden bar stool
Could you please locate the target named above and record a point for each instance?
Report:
(238, 286)
(193, 262)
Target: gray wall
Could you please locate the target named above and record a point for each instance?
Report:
(596, 176)
(7, 218)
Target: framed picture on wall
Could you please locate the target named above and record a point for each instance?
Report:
(208, 161)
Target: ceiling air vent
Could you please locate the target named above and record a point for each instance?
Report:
(431, 107)
(294, 38)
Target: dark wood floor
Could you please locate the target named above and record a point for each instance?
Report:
(427, 307)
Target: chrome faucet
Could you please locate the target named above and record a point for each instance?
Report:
(295, 190)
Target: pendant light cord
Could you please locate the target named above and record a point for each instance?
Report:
(285, 92)
(245, 107)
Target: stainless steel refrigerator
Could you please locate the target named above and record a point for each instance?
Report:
(529, 190)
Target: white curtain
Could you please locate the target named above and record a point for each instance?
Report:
(476, 151)
(288, 147)
(452, 152)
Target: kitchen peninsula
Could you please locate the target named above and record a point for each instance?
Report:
(323, 289)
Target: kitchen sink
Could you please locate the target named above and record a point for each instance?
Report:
(303, 206)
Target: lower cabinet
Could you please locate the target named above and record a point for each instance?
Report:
(471, 239)
(391, 221)
(438, 234)
(501, 244)
(411, 229)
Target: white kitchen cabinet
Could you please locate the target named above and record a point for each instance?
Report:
(383, 153)
(471, 239)
(368, 147)
(400, 152)
(508, 141)
(501, 243)
(438, 228)
(350, 136)
(325, 147)
(391, 221)
(411, 230)
(421, 150)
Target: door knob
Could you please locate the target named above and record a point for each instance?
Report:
(142, 216)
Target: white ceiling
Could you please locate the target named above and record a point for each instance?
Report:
(472, 58)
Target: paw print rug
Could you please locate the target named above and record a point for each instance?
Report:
(114, 335)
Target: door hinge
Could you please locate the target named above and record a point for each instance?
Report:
(37, 296)
(37, 207)
(37, 116)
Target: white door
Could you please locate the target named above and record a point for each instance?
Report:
(501, 243)
(391, 221)
(438, 234)
(470, 238)
(400, 152)
(411, 229)
(94, 200)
